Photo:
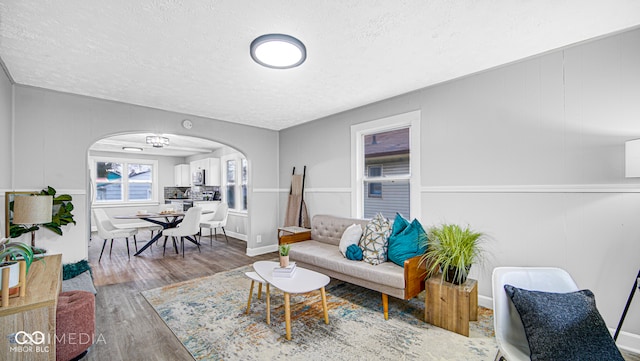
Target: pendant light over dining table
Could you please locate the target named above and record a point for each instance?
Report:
(157, 141)
(278, 51)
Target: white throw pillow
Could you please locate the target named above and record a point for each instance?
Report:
(350, 236)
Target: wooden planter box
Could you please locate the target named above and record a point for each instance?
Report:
(451, 306)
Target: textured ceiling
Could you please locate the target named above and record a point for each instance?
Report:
(193, 56)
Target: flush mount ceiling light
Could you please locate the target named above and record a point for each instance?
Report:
(278, 51)
(157, 141)
(132, 149)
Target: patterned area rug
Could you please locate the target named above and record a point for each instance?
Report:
(208, 316)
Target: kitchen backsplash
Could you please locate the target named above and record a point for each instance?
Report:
(195, 192)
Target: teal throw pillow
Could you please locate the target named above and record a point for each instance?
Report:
(354, 253)
(407, 244)
(399, 224)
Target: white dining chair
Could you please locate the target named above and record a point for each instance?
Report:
(510, 335)
(106, 230)
(219, 220)
(187, 228)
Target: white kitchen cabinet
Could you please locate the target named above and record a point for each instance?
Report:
(182, 175)
(211, 167)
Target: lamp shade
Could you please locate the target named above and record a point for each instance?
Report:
(632, 158)
(32, 209)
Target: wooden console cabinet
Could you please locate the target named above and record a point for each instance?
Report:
(34, 314)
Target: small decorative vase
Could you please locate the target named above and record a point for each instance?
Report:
(284, 261)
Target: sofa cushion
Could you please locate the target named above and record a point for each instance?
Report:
(327, 256)
(350, 236)
(563, 326)
(406, 244)
(374, 240)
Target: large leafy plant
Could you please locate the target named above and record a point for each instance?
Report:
(61, 215)
(452, 250)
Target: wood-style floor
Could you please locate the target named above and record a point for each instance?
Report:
(130, 328)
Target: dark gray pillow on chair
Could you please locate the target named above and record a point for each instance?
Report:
(563, 326)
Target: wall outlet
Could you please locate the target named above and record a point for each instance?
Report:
(259, 238)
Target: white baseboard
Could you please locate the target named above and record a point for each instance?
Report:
(240, 236)
(486, 302)
(627, 341)
(261, 250)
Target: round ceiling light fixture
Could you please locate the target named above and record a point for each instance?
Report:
(278, 51)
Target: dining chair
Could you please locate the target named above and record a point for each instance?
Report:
(187, 228)
(219, 220)
(106, 230)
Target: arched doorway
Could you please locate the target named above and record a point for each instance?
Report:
(126, 175)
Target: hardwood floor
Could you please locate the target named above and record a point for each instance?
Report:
(130, 328)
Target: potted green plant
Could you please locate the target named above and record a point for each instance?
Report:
(452, 250)
(10, 254)
(283, 250)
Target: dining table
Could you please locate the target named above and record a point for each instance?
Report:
(165, 220)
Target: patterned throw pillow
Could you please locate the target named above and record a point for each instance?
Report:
(374, 240)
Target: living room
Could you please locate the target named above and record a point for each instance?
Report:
(529, 150)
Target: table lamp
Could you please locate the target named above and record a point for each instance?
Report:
(32, 210)
(632, 170)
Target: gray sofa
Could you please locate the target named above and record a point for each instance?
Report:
(320, 253)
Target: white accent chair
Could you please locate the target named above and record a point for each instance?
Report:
(219, 220)
(510, 335)
(187, 228)
(106, 230)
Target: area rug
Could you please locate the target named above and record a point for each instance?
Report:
(208, 316)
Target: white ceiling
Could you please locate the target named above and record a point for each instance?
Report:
(179, 145)
(193, 56)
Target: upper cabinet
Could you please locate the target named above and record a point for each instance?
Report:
(211, 167)
(182, 175)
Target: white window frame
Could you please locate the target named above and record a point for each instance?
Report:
(358, 176)
(125, 180)
(238, 183)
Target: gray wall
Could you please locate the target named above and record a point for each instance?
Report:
(53, 132)
(531, 153)
(5, 130)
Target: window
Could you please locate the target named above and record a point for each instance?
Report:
(231, 183)
(235, 181)
(375, 188)
(385, 170)
(244, 184)
(124, 180)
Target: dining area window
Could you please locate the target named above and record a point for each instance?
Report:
(235, 182)
(124, 180)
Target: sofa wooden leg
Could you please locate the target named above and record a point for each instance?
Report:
(385, 305)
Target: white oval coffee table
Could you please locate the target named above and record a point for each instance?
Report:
(303, 281)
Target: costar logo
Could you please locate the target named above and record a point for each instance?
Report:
(24, 338)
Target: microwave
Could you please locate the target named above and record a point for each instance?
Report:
(197, 178)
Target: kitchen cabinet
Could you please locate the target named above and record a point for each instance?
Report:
(182, 175)
(211, 167)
